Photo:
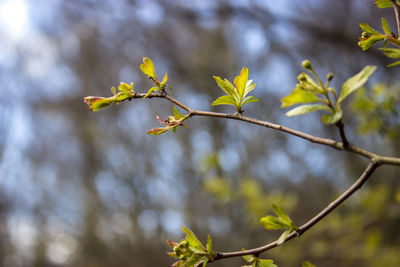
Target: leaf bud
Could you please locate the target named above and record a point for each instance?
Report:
(307, 65)
(329, 76)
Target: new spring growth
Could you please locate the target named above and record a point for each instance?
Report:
(307, 65)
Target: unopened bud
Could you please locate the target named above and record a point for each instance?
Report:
(307, 64)
(329, 76)
(302, 77)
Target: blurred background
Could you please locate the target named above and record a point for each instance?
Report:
(79, 188)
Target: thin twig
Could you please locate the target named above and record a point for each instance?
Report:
(314, 139)
(340, 125)
(397, 14)
(322, 214)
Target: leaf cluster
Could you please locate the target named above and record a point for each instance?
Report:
(97, 103)
(147, 67)
(279, 222)
(315, 95)
(171, 123)
(257, 262)
(236, 95)
(190, 251)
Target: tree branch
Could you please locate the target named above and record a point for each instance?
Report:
(397, 15)
(380, 160)
(322, 214)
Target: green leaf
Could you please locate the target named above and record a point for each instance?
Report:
(272, 223)
(192, 239)
(209, 245)
(97, 103)
(125, 88)
(113, 90)
(394, 64)
(248, 258)
(249, 87)
(240, 81)
(281, 214)
(356, 82)
(298, 96)
(385, 26)
(304, 109)
(224, 86)
(205, 262)
(367, 42)
(176, 113)
(151, 90)
(164, 80)
(148, 68)
(224, 100)
(307, 264)
(391, 52)
(158, 131)
(368, 29)
(383, 3)
(266, 263)
(249, 99)
(283, 237)
(332, 118)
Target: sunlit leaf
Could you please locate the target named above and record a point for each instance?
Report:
(147, 68)
(241, 81)
(97, 103)
(192, 239)
(151, 90)
(368, 29)
(249, 87)
(383, 3)
(164, 80)
(248, 258)
(304, 109)
(176, 113)
(356, 82)
(224, 86)
(298, 96)
(249, 99)
(367, 42)
(224, 100)
(273, 223)
(385, 26)
(332, 118)
(209, 245)
(281, 214)
(125, 88)
(283, 237)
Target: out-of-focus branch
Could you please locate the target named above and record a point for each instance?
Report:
(396, 8)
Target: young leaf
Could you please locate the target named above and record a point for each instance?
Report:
(125, 88)
(356, 82)
(266, 263)
(367, 42)
(394, 64)
(249, 87)
(281, 214)
(97, 103)
(383, 3)
(241, 81)
(368, 29)
(176, 113)
(304, 109)
(332, 118)
(158, 131)
(151, 90)
(385, 26)
(209, 245)
(307, 264)
(192, 239)
(205, 262)
(164, 80)
(298, 96)
(283, 237)
(249, 99)
(248, 258)
(272, 223)
(391, 52)
(224, 100)
(225, 87)
(148, 68)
